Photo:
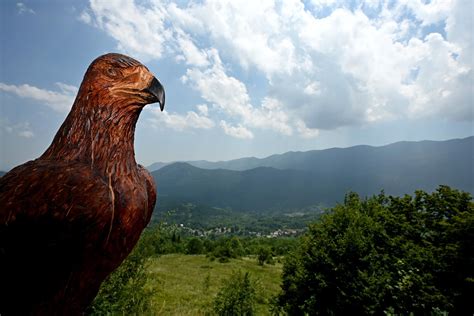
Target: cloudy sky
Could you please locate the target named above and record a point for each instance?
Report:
(245, 78)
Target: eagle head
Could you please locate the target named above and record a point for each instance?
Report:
(102, 119)
(123, 80)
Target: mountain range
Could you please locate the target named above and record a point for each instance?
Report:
(319, 177)
(295, 180)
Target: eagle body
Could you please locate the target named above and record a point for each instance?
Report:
(70, 217)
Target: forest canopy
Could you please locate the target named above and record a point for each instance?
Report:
(386, 254)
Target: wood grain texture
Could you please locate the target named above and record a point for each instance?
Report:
(70, 217)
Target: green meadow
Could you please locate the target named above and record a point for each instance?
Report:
(188, 284)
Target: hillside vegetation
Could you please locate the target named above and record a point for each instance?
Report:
(318, 178)
(382, 255)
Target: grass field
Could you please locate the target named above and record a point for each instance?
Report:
(187, 284)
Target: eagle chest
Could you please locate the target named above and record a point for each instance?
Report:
(128, 214)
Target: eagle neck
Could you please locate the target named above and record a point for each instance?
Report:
(100, 135)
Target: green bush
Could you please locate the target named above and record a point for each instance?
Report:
(227, 249)
(237, 296)
(264, 254)
(387, 254)
(194, 246)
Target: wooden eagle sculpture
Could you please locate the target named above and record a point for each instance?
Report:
(70, 217)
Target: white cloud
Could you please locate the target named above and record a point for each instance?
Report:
(323, 3)
(443, 85)
(67, 89)
(428, 12)
(313, 88)
(343, 63)
(60, 101)
(271, 115)
(19, 129)
(203, 109)
(459, 26)
(26, 134)
(85, 17)
(216, 87)
(191, 54)
(22, 8)
(230, 95)
(366, 73)
(238, 131)
(191, 120)
(306, 132)
(184, 19)
(254, 34)
(139, 31)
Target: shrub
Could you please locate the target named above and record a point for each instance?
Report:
(228, 249)
(264, 254)
(237, 296)
(194, 246)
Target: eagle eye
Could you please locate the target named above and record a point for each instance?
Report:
(112, 72)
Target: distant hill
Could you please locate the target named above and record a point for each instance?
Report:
(299, 179)
(315, 159)
(2, 173)
(157, 165)
(251, 190)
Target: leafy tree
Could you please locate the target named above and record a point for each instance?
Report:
(166, 239)
(236, 248)
(237, 296)
(228, 249)
(208, 245)
(194, 246)
(386, 254)
(264, 255)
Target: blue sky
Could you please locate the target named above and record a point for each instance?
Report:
(250, 78)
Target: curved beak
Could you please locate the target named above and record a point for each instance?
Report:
(157, 92)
